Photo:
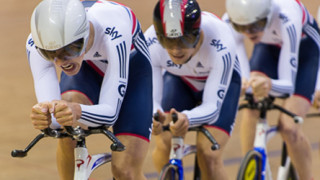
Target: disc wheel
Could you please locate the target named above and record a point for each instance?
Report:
(251, 166)
(169, 172)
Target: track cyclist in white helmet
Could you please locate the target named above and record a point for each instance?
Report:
(106, 72)
(201, 80)
(284, 61)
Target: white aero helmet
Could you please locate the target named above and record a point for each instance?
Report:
(59, 23)
(244, 12)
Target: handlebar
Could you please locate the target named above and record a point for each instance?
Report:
(265, 105)
(202, 129)
(76, 133)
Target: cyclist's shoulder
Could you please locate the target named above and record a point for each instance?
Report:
(112, 14)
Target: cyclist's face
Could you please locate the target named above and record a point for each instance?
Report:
(253, 31)
(180, 55)
(71, 66)
(254, 37)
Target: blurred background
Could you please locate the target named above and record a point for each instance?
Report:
(17, 95)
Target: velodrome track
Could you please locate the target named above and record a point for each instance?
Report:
(16, 93)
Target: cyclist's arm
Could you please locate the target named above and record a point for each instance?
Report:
(44, 74)
(116, 77)
(241, 49)
(288, 59)
(215, 89)
(157, 72)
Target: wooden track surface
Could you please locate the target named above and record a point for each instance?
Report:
(17, 95)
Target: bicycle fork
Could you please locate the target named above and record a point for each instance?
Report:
(260, 142)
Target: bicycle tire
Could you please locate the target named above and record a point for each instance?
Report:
(196, 170)
(169, 172)
(251, 166)
(292, 173)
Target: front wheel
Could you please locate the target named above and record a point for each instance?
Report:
(170, 172)
(251, 166)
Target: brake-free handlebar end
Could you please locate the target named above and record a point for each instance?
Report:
(174, 117)
(117, 147)
(215, 147)
(18, 153)
(156, 116)
(298, 119)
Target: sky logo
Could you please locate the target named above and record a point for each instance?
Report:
(151, 41)
(113, 33)
(217, 44)
(172, 64)
(31, 42)
(284, 18)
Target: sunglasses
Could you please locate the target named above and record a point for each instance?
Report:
(185, 41)
(71, 51)
(252, 28)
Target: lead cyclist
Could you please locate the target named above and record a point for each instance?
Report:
(106, 71)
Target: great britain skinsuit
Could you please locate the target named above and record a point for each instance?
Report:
(289, 49)
(116, 74)
(211, 76)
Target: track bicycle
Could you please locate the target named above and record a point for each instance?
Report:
(173, 170)
(85, 163)
(255, 165)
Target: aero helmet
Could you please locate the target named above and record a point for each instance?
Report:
(55, 24)
(177, 22)
(244, 12)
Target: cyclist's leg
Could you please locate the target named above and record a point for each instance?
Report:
(176, 94)
(247, 129)
(298, 145)
(211, 162)
(82, 88)
(133, 126)
(161, 152)
(264, 62)
(129, 163)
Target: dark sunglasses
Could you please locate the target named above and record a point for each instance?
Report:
(186, 41)
(252, 28)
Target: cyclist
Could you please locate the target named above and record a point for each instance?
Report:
(106, 71)
(193, 59)
(284, 61)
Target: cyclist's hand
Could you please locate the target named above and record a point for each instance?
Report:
(261, 86)
(157, 125)
(40, 116)
(244, 86)
(179, 128)
(316, 101)
(65, 112)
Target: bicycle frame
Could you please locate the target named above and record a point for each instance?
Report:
(263, 134)
(176, 154)
(85, 163)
